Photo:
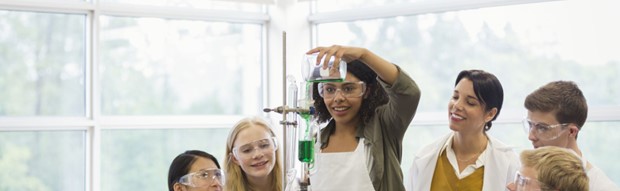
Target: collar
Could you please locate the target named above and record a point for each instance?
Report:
(480, 161)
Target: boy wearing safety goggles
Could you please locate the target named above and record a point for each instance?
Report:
(550, 168)
(556, 113)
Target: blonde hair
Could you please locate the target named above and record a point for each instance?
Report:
(557, 168)
(235, 177)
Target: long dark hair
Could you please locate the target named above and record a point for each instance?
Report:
(488, 90)
(374, 97)
(181, 165)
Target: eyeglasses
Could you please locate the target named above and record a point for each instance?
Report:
(544, 131)
(348, 89)
(525, 183)
(264, 146)
(203, 178)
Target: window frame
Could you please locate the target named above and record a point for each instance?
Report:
(93, 122)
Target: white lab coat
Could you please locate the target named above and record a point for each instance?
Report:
(501, 165)
(599, 181)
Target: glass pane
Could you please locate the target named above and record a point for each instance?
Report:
(597, 141)
(42, 59)
(151, 151)
(238, 5)
(152, 66)
(526, 46)
(416, 138)
(43, 160)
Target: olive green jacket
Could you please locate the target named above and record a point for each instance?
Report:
(384, 133)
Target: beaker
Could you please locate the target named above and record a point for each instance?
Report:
(313, 72)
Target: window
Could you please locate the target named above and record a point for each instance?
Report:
(103, 95)
(42, 60)
(42, 63)
(155, 66)
(43, 160)
(151, 151)
(526, 46)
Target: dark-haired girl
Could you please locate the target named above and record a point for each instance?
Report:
(467, 158)
(195, 170)
(367, 116)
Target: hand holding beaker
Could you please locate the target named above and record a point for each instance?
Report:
(316, 72)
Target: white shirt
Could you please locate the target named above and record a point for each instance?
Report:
(470, 168)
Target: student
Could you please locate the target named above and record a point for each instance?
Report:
(252, 157)
(556, 112)
(467, 158)
(550, 168)
(195, 170)
(367, 115)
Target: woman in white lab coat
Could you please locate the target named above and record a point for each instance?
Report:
(467, 158)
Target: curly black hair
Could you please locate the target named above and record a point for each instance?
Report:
(374, 97)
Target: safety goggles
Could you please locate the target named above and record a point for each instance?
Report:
(348, 89)
(263, 146)
(203, 178)
(524, 183)
(544, 131)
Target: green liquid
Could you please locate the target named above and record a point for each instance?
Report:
(319, 80)
(306, 151)
(306, 117)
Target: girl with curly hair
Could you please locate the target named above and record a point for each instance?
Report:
(367, 115)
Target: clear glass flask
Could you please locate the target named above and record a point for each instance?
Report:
(313, 72)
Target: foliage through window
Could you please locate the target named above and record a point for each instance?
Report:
(525, 46)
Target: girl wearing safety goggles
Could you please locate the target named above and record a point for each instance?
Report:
(367, 115)
(252, 157)
(195, 171)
